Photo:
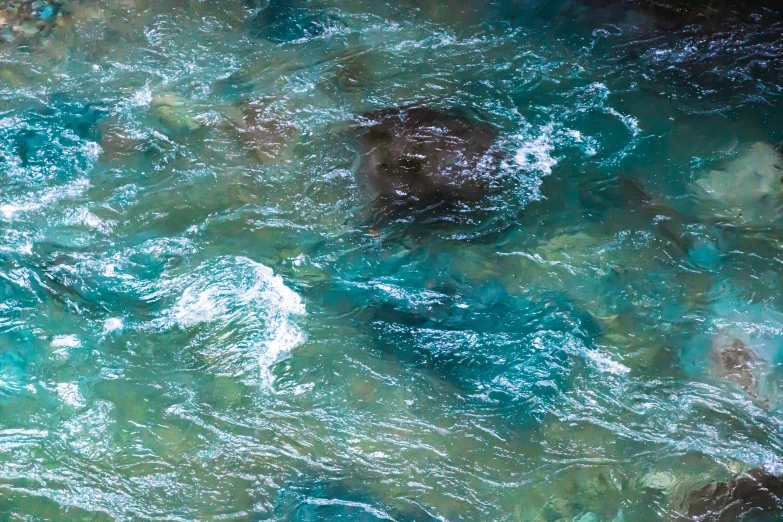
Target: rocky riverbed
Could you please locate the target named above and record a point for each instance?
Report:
(348, 260)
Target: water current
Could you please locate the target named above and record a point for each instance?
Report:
(205, 316)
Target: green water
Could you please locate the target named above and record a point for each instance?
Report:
(202, 317)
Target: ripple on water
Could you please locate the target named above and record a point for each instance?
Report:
(241, 315)
(593, 339)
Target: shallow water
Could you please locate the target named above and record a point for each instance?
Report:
(202, 317)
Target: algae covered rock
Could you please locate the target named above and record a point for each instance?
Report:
(747, 190)
(172, 111)
(418, 154)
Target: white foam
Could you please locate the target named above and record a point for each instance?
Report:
(536, 156)
(535, 147)
(82, 216)
(631, 123)
(245, 296)
(599, 360)
(588, 145)
(197, 306)
(112, 324)
(602, 92)
(66, 341)
(8, 210)
(142, 97)
(36, 201)
(605, 364)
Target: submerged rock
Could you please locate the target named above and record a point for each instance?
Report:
(734, 361)
(172, 111)
(651, 15)
(418, 154)
(283, 21)
(748, 190)
(689, 10)
(743, 349)
(755, 496)
(355, 72)
(624, 200)
(263, 132)
(117, 142)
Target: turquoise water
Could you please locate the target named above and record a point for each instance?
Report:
(204, 317)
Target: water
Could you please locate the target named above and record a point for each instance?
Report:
(203, 317)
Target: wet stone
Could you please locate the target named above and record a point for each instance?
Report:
(422, 155)
(356, 72)
(755, 496)
(735, 362)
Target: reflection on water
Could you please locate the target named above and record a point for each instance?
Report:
(235, 284)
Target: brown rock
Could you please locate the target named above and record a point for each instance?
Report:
(116, 142)
(735, 362)
(756, 495)
(420, 154)
(262, 132)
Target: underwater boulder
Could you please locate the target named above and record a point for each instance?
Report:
(469, 341)
(689, 10)
(117, 142)
(744, 349)
(754, 496)
(736, 362)
(283, 21)
(262, 130)
(172, 111)
(356, 71)
(624, 199)
(418, 154)
(748, 190)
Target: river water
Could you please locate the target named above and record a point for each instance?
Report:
(203, 317)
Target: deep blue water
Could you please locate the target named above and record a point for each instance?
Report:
(204, 315)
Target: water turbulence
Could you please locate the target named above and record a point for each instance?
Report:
(299, 260)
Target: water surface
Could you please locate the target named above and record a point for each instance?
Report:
(202, 317)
